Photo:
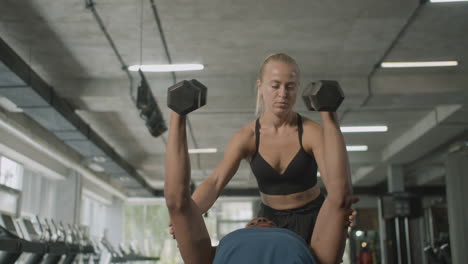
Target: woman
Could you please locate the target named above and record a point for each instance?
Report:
(284, 151)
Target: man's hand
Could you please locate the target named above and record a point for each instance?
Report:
(351, 217)
(352, 214)
(171, 229)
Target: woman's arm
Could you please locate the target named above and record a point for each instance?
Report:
(210, 189)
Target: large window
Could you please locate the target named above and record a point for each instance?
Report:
(233, 215)
(11, 177)
(146, 226)
(11, 173)
(9, 200)
(38, 195)
(93, 215)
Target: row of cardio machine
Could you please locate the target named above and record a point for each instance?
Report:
(45, 242)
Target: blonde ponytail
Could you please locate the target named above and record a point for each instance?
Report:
(259, 106)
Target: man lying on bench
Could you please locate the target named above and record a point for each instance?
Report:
(261, 242)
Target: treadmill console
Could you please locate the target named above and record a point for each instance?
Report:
(29, 231)
(7, 222)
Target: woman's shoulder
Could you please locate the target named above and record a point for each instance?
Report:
(243, 140)
(312, 135)
(245, 135)
(247, 131)
(310, 124)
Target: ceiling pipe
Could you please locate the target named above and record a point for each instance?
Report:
(90, 5)
(163, 38)
(376, 66)
(174, 79)
(18, 66)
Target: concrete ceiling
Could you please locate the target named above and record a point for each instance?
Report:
(343, 40)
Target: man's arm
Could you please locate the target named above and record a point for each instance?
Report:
(192, 236)
(330, 230)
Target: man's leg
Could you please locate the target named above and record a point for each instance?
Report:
(190, 230)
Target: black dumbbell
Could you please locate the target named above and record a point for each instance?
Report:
(186, 96)
(323, 95)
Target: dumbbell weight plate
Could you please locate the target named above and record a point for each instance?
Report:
(323, 95)
(186, 96)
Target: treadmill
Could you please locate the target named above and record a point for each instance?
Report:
(30, 233)
(12, 244)
(57, 248)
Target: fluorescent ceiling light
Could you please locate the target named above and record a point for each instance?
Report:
(99, 159)
(214, 150)
(356, 148)
(124, 179)
(9, 105)
(418, 64)
(205, 150)
(95, 196)
(444, 1)
(167, 67)
(95, 167)
(147, 201)
(353, 129)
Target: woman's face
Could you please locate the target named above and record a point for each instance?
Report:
(278, 87)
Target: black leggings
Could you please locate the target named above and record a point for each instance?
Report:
(300, 220)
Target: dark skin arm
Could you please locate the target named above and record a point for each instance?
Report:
(192, 236)
(329, 237)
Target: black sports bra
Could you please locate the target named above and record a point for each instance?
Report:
(300, 175)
